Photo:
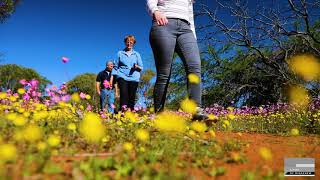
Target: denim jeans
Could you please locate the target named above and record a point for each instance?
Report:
(107, 97)
(178, 37)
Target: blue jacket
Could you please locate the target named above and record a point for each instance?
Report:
(124, 63)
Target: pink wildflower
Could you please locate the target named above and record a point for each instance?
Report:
(65, 98)
(82, 95)
(23, 81)
(34, 83)
(26, 97)
(106, 84)
(89, 107)
(65, 59)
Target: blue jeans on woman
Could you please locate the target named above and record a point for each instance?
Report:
(107, 97)
(176, 36)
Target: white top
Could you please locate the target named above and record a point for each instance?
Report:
(182, 9)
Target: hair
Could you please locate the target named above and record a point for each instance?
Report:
(130, 37)
(109, 61)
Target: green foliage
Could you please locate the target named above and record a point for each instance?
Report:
(52, 168)
(84, 83)
(7, 7)
(145, 88)
(252, 79)
(247, 81)
(177, 89)
(146, 77)
(10, 74)
(217, 171)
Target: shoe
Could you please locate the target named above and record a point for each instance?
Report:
(200, 115)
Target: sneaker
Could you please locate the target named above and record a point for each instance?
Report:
(200, 115)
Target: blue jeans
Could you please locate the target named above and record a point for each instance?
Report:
(176, 36)
(107, 97)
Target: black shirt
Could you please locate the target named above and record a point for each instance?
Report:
(103, 75)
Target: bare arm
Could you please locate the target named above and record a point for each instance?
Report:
(116, 90)
(98, 88)
(111, 81)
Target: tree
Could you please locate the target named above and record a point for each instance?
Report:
(145, 89)
(10, 74)
(249, 50)
(7, 7)
(84, 83)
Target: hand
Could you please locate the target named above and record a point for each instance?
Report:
(99, 93)
(160, 18)
(136, 66)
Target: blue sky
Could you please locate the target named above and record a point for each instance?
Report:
(88, 32)
(40, 32)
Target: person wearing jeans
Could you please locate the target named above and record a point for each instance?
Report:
(173, 31)
(128, 66)
(105, 87)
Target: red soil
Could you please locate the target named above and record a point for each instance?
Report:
(280, 146)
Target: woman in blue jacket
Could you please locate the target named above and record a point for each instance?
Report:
(128, 66)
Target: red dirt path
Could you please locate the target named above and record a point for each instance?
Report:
(280, 146)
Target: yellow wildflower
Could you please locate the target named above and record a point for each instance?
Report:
(54, 152)
(105, 139)
(127, 146)
(53, 140)
(170, 122)
(18, 135)
(131, 116)
(75, 97)
(92, 128)
(142, 149)
(193, 78)
(212, 117)
(298, 96)
(41, 146)
(189, 106)
(13, 98)
(20, 121)
(192, 133)
(226, 122)
(119, 123)
(72, 126)
(306, 66)
(88, 97)
(3, 95)
(212, 133)
(142, 134)
(32, 133)
(265, 153)
(200, 127)
(21, 91)
(21, 110)
(41, 115)
(11, 116)
(294, 132)
(230, 109)
(231, 116)
(8, 152)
